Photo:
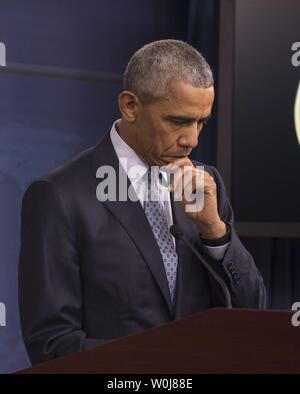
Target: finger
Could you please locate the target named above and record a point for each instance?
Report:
(183, 180)
(183, 161)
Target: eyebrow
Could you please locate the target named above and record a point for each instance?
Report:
(186, 118)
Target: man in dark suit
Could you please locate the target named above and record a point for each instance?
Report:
(92, 270)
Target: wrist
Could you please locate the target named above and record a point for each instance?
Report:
(212, 231)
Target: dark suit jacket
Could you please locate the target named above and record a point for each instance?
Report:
(91, 272)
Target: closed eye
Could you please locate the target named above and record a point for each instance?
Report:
(182, 121)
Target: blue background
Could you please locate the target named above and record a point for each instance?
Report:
(58, 96)
(46, 117)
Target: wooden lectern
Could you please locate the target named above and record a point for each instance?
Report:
(214, 341)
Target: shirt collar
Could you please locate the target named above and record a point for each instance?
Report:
(124, 151)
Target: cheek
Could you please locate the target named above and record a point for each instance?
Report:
(169, 141)
(163, 142)
(155, 139)
(160, 138)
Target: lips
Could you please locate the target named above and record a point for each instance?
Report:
(176, 157)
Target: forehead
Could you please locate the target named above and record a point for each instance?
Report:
(187, 99)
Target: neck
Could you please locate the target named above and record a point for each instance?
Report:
(124, 132)
(127, 134)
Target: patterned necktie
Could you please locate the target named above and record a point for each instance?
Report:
(156, 217)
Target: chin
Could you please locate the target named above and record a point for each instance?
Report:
(157, 161)
(161, 162)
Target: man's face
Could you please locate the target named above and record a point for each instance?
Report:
(169, 128)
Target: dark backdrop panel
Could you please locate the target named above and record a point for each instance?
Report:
(266, 153)
(203, 34)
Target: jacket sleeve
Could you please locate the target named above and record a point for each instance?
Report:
(237, 267)
(50, 290)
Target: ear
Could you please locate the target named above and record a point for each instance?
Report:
(128, 104)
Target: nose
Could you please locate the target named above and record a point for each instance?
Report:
(189, 137)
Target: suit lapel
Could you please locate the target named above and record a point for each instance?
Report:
(132, 217)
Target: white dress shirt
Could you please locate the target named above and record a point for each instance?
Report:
(129, 159)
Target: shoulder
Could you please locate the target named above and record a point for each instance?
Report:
(63, 183)
(65, 174)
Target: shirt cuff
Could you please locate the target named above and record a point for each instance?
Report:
(216, 248)
(216, 252)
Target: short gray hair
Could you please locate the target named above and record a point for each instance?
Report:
(153, 67)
